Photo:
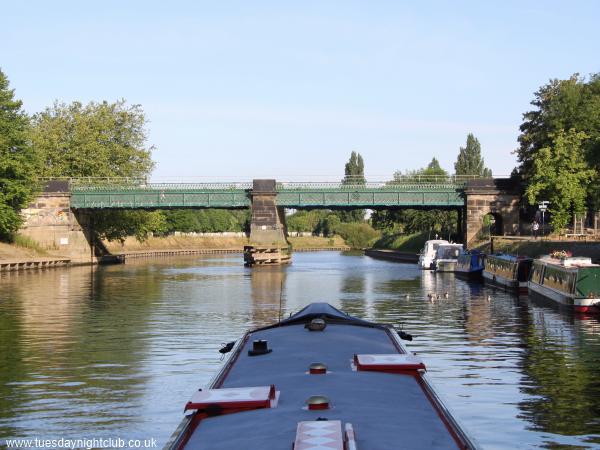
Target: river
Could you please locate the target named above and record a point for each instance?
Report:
(116, 351)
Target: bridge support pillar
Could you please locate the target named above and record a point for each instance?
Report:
(497, 197)
(268, 243)
(56, 228)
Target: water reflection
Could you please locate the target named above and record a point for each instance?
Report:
(268, 299)
(117, 351)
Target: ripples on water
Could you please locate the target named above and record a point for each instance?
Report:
(117, 351)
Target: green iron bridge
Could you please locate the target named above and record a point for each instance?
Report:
(414, 191)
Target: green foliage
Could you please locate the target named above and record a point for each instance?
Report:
(28, 243)
(354, 170)
(328, 224)
(306, 221)
(93, 140)
(117, 225)
(356, 235)
(206, 220)
(563, 105)
(404, 242)
(560, 174)
(354, 174)
(17, 162)
(417, 220)
(98, 140)
(469, 161)
(433, 169)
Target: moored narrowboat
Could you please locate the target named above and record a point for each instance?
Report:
(447, 257)
(470, 265)
(508, 271)
(570, 281)
(320, 379)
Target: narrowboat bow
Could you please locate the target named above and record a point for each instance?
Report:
(320, 379)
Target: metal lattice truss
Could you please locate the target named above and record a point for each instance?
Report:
(136, 193)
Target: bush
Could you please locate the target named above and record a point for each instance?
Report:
(357, 235)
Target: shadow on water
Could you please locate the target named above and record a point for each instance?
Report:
(116, 352)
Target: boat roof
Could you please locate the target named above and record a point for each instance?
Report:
(507, 257)
(387, 410)
(569, 262)
(436, 241)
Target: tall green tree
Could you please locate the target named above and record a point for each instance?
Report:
(94, 140)
(98, 140)
(469, 161)
(354, 170)
(563, 105)
(17, 162)
(560, 175)
(354, 174)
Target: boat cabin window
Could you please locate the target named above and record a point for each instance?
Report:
(448, 252)
(464, 262)
(560, 279)
(537, 272)
(502, 267)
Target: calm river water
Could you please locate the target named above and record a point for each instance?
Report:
(116, 351)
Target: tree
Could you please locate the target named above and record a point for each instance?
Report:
(354, 170)
(94, 140)
(416, 220)
(354, 174)
(563, 105)
(98, 140)
(469, 161)
(434, 169)
(560, 174)
(17, 162)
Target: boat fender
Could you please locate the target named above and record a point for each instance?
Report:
(226, 347)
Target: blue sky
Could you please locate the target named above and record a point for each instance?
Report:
(241, 89)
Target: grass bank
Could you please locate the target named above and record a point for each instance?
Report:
(412, 243)
(303, 242)
(23, 248)
(213, 243)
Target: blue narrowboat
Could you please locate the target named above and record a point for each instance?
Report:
(470, 265)
(320, 379)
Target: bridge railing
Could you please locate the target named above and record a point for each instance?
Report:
(142, 185)
(408, 181)
(413, 182)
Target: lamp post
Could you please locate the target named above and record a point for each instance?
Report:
(543, 207)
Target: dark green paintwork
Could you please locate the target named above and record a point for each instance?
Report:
(588, 282)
